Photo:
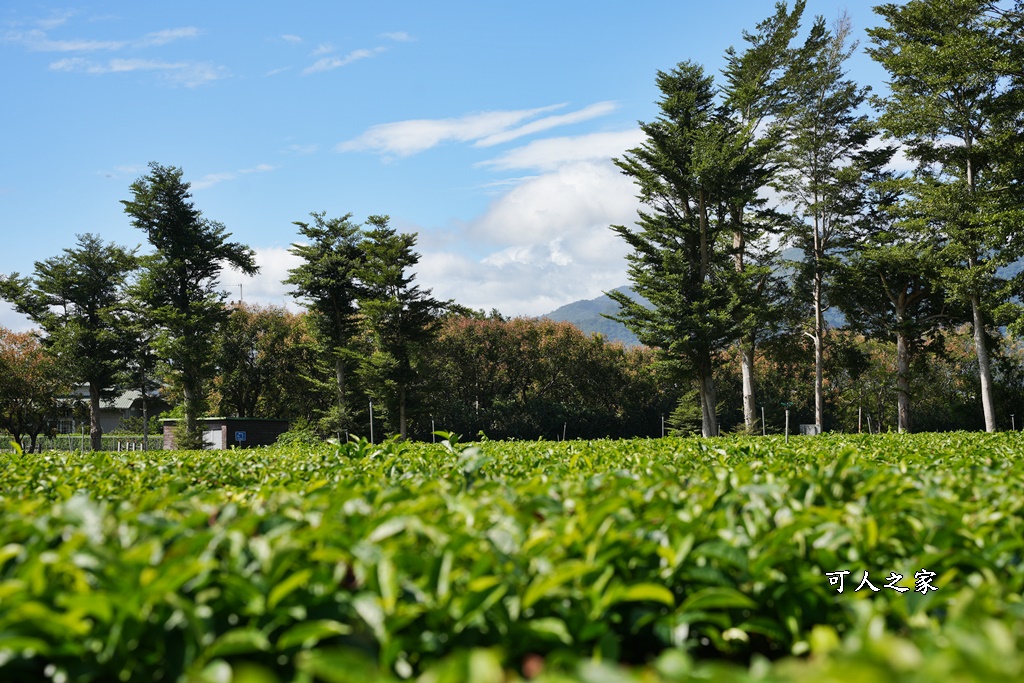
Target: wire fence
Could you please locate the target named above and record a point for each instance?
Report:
(81, 442)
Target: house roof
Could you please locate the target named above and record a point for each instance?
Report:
(123, 401)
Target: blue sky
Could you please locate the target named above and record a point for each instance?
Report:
(487, 128)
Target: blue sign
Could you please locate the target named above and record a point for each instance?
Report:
(239, 436)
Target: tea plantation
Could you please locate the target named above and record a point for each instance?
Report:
(645, 560)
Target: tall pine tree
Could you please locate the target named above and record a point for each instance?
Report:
(956, 107)
(680, 261)
(178, 285)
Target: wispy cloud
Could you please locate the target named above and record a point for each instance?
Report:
(323, 49)
(331, 63)
(121, 171)
(398, 36)
(166, 36)
(187, 74)
(301, 149)
(54, 20)
(38, 40)
(548, 122)
(278, 70)
(551, 153)
(405, 138)
(211, 179)
(291, 38)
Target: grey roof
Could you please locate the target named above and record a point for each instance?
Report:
(124, 401)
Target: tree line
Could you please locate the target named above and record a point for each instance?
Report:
(786, 149)
(783, 150)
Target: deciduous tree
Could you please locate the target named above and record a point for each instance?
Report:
(32, 385)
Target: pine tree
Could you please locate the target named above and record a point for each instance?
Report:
(956, 106)
(680, 262)
(77, 299)
(398, 317)
(178, 285)
(327, 282)
(824, 169)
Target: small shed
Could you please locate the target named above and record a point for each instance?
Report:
(223, 433)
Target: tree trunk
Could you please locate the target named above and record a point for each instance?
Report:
(747, 363)
(95, 428)
(339, 376)
(145, 421)
(984, 368)
(747, 341)
(402, 426)
(819, 355)
(706, 384)
(192, 437)
(903, 382)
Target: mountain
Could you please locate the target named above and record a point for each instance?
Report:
(586, 315)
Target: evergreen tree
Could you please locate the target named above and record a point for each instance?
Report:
(327, 282)
(755, 91)
(888, 285)
(179, 280)
(680, 263)
(956, 106)
(77, 300)
(825, 168)
(398, 317)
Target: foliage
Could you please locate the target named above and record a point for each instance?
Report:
(327, 282)
(260, 364)
(398, 319)
(32, 384)
(178, 284)
(524, 378)
(77, 299)
(956, 105)
(166, 565)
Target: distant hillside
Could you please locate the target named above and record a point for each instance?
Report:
(586, 315)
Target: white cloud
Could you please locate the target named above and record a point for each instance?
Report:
(397, 36)
(266, 287)
(279, 70)
(258, 168)
(13, 320)
(301, 149)
(187, 74)
(323, 49)
(404, 138)
(331, 63)
(551, 153)
(548, 122)
(291, 38)
(167, 36)
(37, 40)
(54, 20)
(568, 203)
(546, 242)
(211, 179)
